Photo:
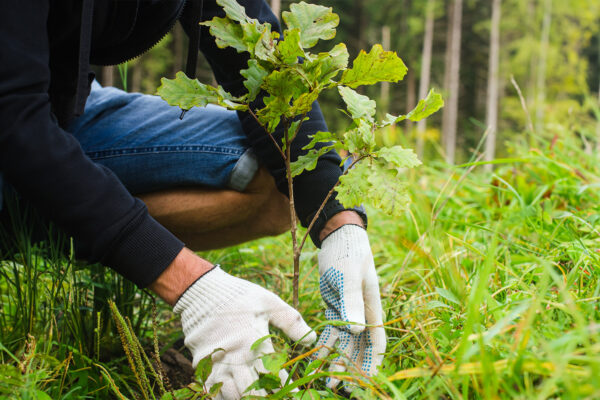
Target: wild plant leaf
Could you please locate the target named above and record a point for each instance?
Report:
(273, 362)
(204, 367)
(233, 10)
(289, 48)
(386, 190)
(266, 381)
(399, 157)
(358, 105)
(187, 93)
(255, 75)
(215, 389)
(308, 161)
(354, 185)
(360, 139)
(448, 295)
(227, 33)
(320, 137)
(325, 66)
(314, 22)
(179, 394)
(426, 106)
(375, 66)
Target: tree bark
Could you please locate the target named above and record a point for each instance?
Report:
(492, 90)
(108, 75)
(385, 86)
(136, 77)
(411, 98)
(450, 116)
(541, 74)
(598, 122)
(178, 49)
(425, 72)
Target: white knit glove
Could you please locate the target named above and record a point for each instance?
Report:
(220, 311)
(350, 288)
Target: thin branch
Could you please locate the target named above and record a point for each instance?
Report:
(314, 219)
(268, 133)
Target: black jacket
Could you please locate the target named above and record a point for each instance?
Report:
(42, 66)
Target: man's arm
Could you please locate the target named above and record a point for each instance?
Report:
(48, 167)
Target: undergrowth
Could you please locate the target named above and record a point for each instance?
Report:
(489, 282)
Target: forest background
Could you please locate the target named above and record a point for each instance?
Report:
(468, 50)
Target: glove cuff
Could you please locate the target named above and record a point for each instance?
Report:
(347, 242)
(213, 290)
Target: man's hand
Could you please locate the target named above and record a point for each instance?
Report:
(349, 286)
(220, 311)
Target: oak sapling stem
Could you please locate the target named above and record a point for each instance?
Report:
(290, 87)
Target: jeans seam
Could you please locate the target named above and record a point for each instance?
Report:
(102, 154)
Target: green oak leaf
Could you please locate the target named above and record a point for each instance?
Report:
(293, 130)
(358, 105)
(285, 84)
(265, 47)
(426, 106)
(308, 161)
(252, 33)
(255, 76)
(373, 182)
(391, 119)
(375, 66)
(360, 139)
(289, 48)
(270, 115)
(323, 67)
(303, 103)
(187, 93)
(353, 188)
(314, 22)
(387, 192)
(234, 10)
(227, 33)
(399, 157)
(320, 137)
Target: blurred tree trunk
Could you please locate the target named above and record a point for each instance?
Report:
(598, 122)
(178, 48)
(136, 76)
(452, 81)
(492, 89)
(531, 14)
(425, 72)
(108, 75)
(276, 7)
(411, 96)
(541, 74)
(385, 86)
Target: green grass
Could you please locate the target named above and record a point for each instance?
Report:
(489, 283)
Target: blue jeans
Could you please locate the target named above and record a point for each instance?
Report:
(141, 138)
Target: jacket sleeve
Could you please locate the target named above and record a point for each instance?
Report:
(311, 187)
(47, 166)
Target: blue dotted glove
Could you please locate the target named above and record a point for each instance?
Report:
(350, 289)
